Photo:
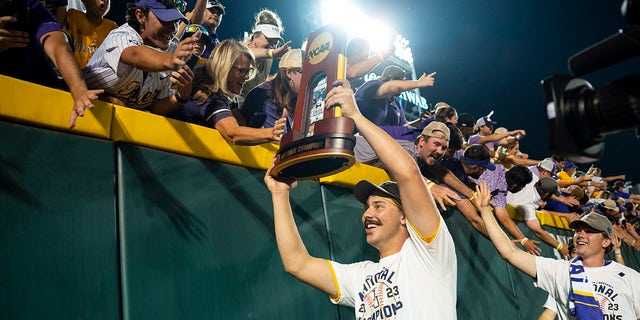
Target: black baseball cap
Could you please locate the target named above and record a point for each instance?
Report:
(466, 120)
(366, 188)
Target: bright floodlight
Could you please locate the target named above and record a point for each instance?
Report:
(358, 24)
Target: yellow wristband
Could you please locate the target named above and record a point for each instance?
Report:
(522, 242)
(270, 53)
(560, 244)
(430, 184)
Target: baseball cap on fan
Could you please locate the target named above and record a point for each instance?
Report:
(165, 10)
(437, 129)
(270, 31)
(596, 221)
(546, 164)
(466, 120)
(215, 4)
(292, 59)
(485, 121)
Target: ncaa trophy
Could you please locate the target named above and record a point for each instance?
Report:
(321, 141)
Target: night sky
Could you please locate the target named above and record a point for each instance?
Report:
(488, 55)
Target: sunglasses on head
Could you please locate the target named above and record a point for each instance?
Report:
(181, 5)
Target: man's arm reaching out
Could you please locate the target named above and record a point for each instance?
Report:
(524, 261)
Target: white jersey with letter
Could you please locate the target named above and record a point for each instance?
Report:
(418, 282)
(138, 89)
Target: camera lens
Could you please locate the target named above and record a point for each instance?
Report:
(609, 109)
(578, 116)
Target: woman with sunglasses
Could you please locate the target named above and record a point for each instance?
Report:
(231, 64)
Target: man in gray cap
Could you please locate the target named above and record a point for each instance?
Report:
(400, 220)
(587, 286)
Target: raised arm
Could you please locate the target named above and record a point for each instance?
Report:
(500, 136)
(422, 213)
(395, 87)
(524, 261)
(295, 258)
(196, 16)
(361, 68)
(149, 59)
(277, 53)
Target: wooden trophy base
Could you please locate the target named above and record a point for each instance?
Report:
(318, 155)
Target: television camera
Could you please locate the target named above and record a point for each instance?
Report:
(579, 116)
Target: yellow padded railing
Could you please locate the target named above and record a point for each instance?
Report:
(40, 106)
(35, 105)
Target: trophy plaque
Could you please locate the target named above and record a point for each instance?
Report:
(321, 141)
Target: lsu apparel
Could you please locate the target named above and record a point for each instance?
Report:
(616, 287)
(138, 89)
(418, 282)
(85, 38)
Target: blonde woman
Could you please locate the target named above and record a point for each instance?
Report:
(231, 64)
(266, 44)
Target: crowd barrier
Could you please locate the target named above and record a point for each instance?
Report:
(131, 215)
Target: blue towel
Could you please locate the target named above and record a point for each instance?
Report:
(582, 302)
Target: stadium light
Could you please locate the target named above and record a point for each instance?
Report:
(343, 13)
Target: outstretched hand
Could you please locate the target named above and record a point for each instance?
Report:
(278, 185)
(482, 195)
(531, 246)
(443, 194)
(81, 101)
(279, 125)
(184, 50)
(281, 50)
(11, 38)
(427, 80)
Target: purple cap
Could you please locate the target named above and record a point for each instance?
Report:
(485, 121)
(569, 165)
(165, 10)
(486, 163)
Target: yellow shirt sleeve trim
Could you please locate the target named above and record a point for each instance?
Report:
(427, 239)
(335, 283)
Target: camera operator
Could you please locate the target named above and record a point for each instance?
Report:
(34, 48)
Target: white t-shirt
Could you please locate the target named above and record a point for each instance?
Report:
(526, 200)
(552, 305)
(616, 287)
(419, 282)
(138, 89)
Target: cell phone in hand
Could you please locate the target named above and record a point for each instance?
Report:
(193, 61)
(18, 9)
